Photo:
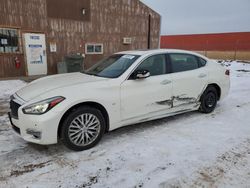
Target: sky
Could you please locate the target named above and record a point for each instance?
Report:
(202, 16)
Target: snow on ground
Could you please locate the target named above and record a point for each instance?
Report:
(8, 140)
(188, 150)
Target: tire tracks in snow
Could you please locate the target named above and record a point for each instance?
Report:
(216, 174)
(21, 170)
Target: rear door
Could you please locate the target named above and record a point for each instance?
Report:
(189, 78)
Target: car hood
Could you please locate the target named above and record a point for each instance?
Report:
(43, 85)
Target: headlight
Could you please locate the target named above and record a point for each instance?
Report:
(42, 106)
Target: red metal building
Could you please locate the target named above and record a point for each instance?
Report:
(236, 43)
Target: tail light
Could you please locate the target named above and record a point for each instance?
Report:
(227, 72)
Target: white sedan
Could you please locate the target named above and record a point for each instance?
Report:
(126, 88)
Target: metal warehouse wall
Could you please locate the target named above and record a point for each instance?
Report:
(108, 22)
(26, 14)
(222, 45)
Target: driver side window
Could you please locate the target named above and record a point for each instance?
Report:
(156, 65)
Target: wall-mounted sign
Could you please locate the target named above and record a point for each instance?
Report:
(34, 37)
(52, 46)
(36, 54)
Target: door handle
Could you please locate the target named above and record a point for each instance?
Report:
(202, 75)
(165, 82)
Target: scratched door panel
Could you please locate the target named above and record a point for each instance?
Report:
(188, 86)
(146, 97)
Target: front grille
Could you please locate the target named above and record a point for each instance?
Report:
(14, 109)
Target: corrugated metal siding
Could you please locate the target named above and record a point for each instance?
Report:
(7, 65)
(209, 42)
(63, 9)
(111, 20)
(26, 15)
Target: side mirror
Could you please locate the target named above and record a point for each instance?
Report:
(140, 74)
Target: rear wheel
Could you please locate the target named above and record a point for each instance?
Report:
(208, 100)
(83, 128)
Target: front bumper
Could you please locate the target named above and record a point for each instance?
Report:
(40, 129)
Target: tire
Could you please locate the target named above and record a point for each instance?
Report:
(208, 100)
(83, 128)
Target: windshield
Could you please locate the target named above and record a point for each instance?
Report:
(113, 66)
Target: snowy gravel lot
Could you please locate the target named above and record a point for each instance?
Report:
(188, 150)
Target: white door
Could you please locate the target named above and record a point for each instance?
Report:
(35, 51)
(148, 97)
(189, 79)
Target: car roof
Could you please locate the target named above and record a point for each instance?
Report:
(155, 51)
(142, 52)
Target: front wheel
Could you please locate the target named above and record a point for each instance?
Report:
(208, 100)
(83, 128)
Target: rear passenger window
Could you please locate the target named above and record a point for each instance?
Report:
(183, 62)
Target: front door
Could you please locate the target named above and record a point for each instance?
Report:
(35, 52)
(149, 97)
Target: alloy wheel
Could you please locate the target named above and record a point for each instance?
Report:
(84, 129)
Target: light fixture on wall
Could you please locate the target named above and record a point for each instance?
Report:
(83, 11)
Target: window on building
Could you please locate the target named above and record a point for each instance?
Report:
(183, 62)
(94, 49)
(9, 40)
